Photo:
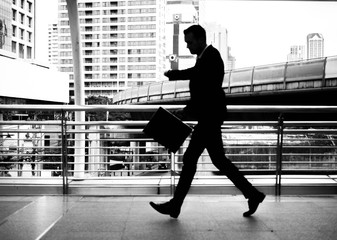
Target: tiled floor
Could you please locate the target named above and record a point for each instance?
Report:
(203, 217)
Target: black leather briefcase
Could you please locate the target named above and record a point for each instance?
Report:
(167, 129)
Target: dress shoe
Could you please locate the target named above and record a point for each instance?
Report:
(253, 204)
(166, 208)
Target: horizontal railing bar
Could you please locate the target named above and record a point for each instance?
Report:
(117, 108)
(141, 123)
(26, 122)
(145, 108)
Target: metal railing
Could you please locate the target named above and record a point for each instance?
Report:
(32, 151)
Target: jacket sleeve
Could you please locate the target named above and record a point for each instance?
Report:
(185, 74)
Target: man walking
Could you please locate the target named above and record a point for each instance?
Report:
(208, 106)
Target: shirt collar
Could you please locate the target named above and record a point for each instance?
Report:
(199, 56)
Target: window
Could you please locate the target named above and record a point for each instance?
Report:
(29, 36)
(14, 14)
(21, 51)
(29, 52)
(14, 31)
(22, 18)
(29, 21)
(22, 33)
(29, 7)
(13, 47)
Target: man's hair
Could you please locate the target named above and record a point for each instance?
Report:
(197, 30)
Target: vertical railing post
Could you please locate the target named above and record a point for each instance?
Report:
(64, 153)
(173, 173)
(252, 81)
(279, 146)
(323, 73)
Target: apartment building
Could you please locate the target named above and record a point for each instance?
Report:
(123, 44)
(22, 28)
(315, 45)
(53, 50)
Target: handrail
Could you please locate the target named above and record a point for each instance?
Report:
(310, 152)
(151, 108)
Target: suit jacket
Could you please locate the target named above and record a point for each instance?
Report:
(207, 102)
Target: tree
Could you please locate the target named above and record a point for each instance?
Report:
(104, 115)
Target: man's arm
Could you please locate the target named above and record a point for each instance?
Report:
(174, 75)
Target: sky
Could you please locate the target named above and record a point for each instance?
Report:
(259, 32)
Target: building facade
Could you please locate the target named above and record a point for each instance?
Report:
(53, 50)
(315, 45)
(23, 80)
(122, 43)
(23, 28)
(297, 53)
(5, 25)
(17, 31)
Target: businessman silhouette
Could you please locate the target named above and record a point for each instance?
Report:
(207, 105)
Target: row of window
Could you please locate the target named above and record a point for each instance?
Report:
(114, 3)
(95, 21)
(22, 32)
(98, 76)
(109, 52)
(24, 51)
(105, 67)
(22, 17)
(141, 59)
(24, 4)
(105, 84)
(100, 93)
(141, 75)
(117, 28)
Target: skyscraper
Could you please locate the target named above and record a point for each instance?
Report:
(53, 50)
(315, 45)
(122, 44)
(17, 27)
(217, 35)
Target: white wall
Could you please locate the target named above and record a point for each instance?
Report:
(19, 79)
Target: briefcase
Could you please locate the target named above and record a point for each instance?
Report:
(167, 129)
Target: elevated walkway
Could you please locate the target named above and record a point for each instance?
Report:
(307, 82)
(203, 217)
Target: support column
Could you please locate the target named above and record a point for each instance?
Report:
(78, 87)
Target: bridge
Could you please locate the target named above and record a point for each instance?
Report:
(308, 82)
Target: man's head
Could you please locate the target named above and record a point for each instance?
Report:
(195, 38)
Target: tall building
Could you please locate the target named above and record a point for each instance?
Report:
(23, 32)
(297, 52)
(315, 45)
(53, 49)
(17, 31)
(122, 44)
(5, 25)
(217, 35)
(23, 80)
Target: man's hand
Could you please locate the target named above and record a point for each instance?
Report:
(167, 73)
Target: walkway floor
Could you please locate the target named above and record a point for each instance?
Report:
(203, 217)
